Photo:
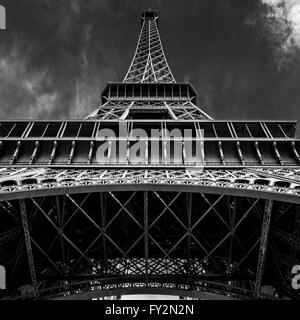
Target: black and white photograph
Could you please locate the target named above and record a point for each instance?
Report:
(150, 150)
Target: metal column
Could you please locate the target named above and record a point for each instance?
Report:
(28, 246)
(146, 237)
(263, 246)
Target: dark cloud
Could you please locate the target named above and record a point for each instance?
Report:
(57, 55)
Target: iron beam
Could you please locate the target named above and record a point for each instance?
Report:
(263, 246)
(103, 206)
(146, 237)
(28, 246)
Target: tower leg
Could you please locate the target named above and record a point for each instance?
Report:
(146, 237)
(263, 246)
(28, 246)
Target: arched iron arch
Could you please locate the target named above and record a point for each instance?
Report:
(56, 188)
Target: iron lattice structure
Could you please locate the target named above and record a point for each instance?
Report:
(78, 226)
(149, 63)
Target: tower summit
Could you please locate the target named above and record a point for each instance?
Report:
(149, 64)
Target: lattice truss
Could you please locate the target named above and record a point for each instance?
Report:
(91, 241)
(177, 110)
(149, 63)
(280, 182)
(71, 231)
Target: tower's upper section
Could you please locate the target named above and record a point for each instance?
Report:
(149, 64)
(149, 90)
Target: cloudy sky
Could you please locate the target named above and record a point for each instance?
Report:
(242, 56)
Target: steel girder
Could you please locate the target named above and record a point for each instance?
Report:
(176, 110)
(147, 237)
(277, 185)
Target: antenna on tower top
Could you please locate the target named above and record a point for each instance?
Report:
(149, 15)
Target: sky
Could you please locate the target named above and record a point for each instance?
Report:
(241, 56)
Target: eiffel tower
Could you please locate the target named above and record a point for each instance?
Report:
(92, 208)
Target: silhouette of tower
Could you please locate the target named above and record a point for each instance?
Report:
(106, 206)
